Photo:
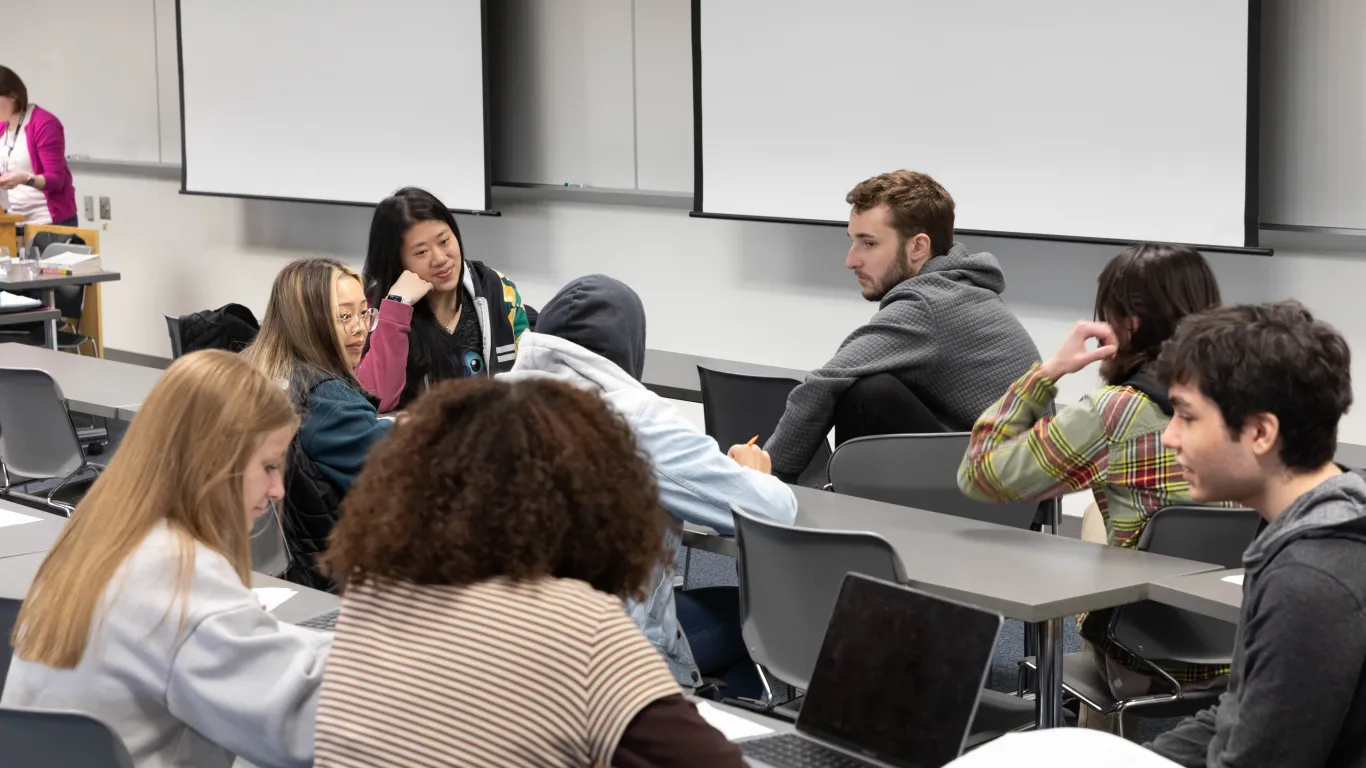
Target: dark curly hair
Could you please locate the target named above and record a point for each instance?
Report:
(487, 479)
(1267, 358)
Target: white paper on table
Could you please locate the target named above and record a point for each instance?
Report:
(15, 301)
(9, 517)
(272, 597)
(731, 726)
(1235, 579)
(1061, 748)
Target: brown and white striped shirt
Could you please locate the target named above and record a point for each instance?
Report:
(536, 673)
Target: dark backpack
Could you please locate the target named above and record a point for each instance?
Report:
(230, 327)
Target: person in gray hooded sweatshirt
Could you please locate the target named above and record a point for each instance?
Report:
(592, 335)
(942, 346)
(1258, 391)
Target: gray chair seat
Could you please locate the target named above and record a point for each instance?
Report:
(34, 738)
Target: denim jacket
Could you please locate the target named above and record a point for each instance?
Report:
(697, 482)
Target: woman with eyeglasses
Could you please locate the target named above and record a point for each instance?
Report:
(311, 340)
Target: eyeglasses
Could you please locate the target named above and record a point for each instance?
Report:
(361, 321)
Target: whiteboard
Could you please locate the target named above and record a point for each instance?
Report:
(93, 64)
(332, 101)
(1314, 113)
(1054, 118)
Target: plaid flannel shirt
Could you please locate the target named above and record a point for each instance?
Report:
(1110, 443)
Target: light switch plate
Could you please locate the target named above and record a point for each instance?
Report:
(104, 209)
(89, 207)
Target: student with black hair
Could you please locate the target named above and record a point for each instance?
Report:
(441, 315)
(1259, 391)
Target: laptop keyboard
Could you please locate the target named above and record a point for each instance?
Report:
(327, 621)
(789, 750)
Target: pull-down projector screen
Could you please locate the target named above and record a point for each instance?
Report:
(334, 100)
(1106, 120)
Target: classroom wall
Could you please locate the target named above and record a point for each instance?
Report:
(766, 293)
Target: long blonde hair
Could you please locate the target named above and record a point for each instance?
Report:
(181, 461)
(300, 325)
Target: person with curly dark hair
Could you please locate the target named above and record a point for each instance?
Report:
(592, 335)
(474, 570)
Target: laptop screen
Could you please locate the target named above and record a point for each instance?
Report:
(899, 673)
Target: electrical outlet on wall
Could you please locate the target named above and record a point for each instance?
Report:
(104, 209)
(89, 207)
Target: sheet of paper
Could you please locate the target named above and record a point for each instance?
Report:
(13, 301)
(1235, 579)
(272, 597)
(8, 518)
(732, 726)
(1061, 748)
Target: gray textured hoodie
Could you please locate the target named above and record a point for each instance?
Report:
(1297, 690)
(945, 333)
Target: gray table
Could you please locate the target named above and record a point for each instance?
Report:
(39, 315)
(28, 538)
(1025, 575)
(674, 374)
(90, 385)
(1204, 593)
(48, 285)
(1350, 455)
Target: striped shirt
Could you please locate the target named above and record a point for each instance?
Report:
(1109, 443)
(547, 672)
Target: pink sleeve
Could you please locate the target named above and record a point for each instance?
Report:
(51, 146)
(384, 370)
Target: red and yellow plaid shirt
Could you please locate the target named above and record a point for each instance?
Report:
(1109, 443)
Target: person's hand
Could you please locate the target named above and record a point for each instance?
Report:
(12, 179)
(411, 287)
(751, 456)
(1073, 355)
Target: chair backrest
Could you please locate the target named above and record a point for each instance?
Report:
(69, 300)
(37, 439)
(918, 471)
(790, 579)
(36, 738)
(1215, 535)
(173, 328)
(269, 555)
(736, 407)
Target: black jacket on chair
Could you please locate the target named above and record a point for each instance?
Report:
(231, 327)
(312, 507)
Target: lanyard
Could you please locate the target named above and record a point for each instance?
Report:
(9, 145)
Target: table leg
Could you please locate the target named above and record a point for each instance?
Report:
(1049, 698)
(50, 326)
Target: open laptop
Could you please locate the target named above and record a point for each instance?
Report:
(896, 683)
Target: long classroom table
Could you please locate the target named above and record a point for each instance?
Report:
(1207, 594)
(37, 534)
(91, 385)
(1024, 575)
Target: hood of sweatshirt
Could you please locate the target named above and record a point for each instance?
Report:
(602, 315)
(959, 265)
(1336, 508)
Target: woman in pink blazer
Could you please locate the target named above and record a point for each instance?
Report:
(33, 173)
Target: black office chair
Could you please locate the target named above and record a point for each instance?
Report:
(1152, 631)
(173, 328)
(36, 738)
(70, 301)
(736, 407)
(790, 578)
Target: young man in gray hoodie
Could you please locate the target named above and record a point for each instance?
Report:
(942, 346)
(1258, 391)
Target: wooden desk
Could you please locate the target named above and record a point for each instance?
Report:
(91, 323)
(9, 236)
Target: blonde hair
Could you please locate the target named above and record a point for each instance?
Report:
(181, 461)
(300, 324)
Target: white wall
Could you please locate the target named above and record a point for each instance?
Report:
(765, 293)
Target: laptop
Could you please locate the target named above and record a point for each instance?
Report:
(896, 683)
